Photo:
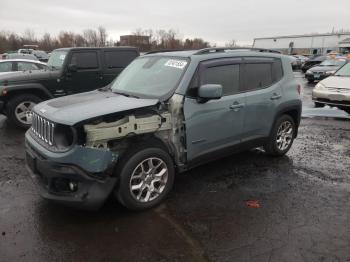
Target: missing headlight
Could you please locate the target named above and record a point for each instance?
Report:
(64, 137)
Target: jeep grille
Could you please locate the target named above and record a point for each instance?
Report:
(43, 128)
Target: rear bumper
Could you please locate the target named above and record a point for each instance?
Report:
(69, 183)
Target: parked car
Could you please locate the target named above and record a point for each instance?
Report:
(334, 90)
(13, 65)
(21, 56)
(41, 55)
(312, 62)
(323, 70)
(25, 51)
(166, 112)
(301, 58)
(72, 70)
(296, 63)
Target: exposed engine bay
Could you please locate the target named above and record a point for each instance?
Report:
(165, 123)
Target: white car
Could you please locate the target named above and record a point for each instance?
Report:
(334, 90)
(13, 65)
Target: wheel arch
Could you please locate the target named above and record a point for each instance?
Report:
(144, 141)
(30, 89)
(293, 109)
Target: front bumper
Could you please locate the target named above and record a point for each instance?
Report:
(74, 179)
(327, 97)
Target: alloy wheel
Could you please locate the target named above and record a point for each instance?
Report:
(148, 179)
(284, 135)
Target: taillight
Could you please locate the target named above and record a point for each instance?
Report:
(299, 89)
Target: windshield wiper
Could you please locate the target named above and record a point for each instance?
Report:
(105, 89)
(125, 94)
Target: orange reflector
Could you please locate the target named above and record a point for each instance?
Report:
(252, 203)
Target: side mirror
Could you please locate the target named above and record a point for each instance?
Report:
(72, 68)
(209, 91)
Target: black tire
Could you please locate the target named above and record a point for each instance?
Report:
(318, 105)
(271, 147)
(129, 163)
(310, 81)
(14, 103)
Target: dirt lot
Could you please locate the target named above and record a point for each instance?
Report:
(302, 211)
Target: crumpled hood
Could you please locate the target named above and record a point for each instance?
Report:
(70, 110)
(34, 75)
(337, 82)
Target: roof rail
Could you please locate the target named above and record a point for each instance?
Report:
(225, 49)
(164, 51)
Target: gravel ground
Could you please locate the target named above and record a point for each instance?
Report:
(300, 207)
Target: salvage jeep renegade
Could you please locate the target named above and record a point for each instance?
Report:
(165, 113)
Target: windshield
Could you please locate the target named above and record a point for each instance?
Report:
(56, 59)
(344, 71)
(332, 63)
(150, 76)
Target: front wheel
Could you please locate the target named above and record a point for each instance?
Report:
(19, 109)
(146, 177)
(281, 137)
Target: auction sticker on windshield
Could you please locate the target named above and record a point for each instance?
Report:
(176, 63)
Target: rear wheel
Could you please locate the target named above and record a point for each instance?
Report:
(281, 137)
(19, 109)
(146, 177)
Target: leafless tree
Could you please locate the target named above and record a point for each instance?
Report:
(102, 36)
(29, 35)
(148, 39)
(231, 43)
(91, 37)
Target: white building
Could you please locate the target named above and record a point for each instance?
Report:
(306, 44)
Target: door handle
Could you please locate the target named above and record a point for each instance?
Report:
(275, 96)
(236, 106)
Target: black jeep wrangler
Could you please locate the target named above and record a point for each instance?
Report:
(71, 70)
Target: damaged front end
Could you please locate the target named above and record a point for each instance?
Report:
(163, 122)
(81, 172)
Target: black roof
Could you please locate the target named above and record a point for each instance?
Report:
(98, 48)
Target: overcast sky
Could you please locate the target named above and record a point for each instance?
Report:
(216, 21)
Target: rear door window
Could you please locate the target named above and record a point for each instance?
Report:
(119, 59)
(261, 73)
(85, 60)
